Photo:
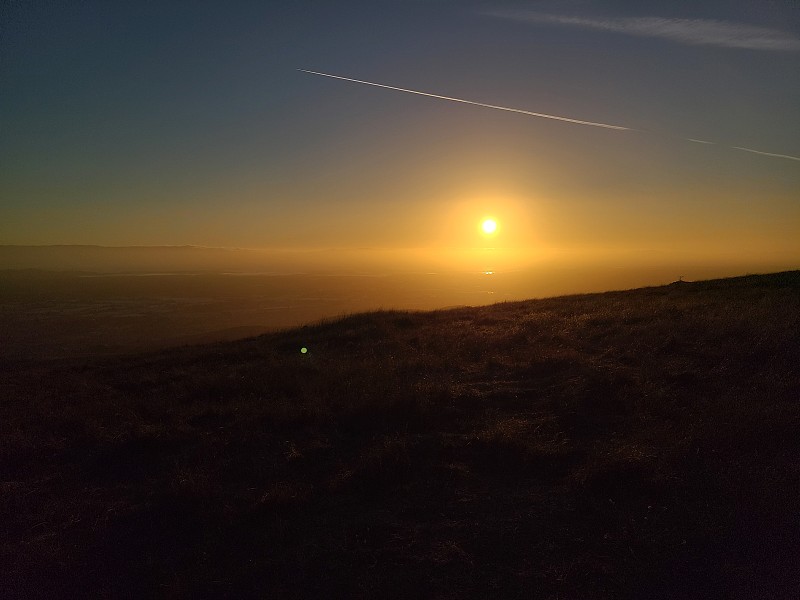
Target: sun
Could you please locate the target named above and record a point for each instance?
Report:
(489, 226)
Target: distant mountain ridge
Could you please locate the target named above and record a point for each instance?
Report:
(125, 258)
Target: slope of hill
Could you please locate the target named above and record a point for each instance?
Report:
(639, 444)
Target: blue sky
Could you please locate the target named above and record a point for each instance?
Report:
(128, 123)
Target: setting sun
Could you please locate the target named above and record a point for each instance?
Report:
(489, 226)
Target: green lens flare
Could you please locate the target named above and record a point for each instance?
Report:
(303, 350)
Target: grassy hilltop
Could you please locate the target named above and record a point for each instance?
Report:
(638, 444)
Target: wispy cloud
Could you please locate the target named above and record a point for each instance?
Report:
(685, 31)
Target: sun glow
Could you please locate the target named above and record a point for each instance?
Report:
(489, 226)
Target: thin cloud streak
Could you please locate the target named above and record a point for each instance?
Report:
(505, 108)
(766, 153)
(685, 31)
(536, 114)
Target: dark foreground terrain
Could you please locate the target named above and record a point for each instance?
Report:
(640, 444)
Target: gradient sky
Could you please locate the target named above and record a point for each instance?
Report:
(169, 123)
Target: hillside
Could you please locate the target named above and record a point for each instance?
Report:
(637, 444)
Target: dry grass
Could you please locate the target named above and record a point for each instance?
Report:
(637, 444)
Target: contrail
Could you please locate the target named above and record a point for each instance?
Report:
(537, 114)
(766, 153)
(515, 110)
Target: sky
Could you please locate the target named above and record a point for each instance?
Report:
(191, 123)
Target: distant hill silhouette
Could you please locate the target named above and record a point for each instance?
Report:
(125, 258)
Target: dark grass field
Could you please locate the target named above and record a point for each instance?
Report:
(638, 444)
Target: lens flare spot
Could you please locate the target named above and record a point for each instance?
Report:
(303, 350)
